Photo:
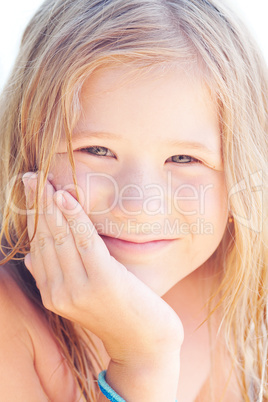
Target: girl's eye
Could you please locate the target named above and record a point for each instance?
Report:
(103, 151)
(97, 151)
(183, 159)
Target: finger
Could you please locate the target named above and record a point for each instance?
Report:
(36, 268)
(68, 256)
(92, 249)
(42, 247)
(28, 263)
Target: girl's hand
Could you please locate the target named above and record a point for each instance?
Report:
(79, 280)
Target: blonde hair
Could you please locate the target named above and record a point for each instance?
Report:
(63, 44)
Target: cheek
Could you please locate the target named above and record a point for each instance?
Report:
(215, 203)
(61, 172)
(97, 191)
(203, 195)
(206, 215)
(211, 224)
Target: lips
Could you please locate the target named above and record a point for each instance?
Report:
(137, 239)
(136, 245)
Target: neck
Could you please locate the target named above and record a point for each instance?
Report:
(189, 298)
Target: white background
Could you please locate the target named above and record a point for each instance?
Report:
(14, 15)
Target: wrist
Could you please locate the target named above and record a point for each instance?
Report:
(145, 350)
(149, 381)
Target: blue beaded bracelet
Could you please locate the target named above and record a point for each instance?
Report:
(107, 390)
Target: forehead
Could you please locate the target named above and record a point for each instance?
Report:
(157, 101)
(126, 74)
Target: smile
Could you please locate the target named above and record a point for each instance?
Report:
(134, 247)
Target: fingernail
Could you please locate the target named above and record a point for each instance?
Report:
(67, 201)
(29, 184)
(27, 176)
(60, 200)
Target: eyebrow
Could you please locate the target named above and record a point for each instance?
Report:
(176, 143)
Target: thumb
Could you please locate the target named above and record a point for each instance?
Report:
(28, 263)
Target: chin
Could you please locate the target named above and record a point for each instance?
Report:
(156, 279)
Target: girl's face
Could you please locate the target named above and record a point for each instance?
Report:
(147, 152)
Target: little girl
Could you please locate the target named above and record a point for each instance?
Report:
(133, 206)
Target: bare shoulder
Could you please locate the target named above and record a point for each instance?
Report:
(16, 349)
(15, 307)
(30, 355)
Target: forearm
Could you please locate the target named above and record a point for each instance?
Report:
(151, 381)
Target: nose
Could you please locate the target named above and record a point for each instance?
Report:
(135, 199)
(141, 192)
